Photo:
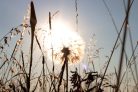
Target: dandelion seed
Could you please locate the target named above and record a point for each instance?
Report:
(58, 38)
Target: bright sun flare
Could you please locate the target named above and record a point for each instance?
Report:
(59, 37)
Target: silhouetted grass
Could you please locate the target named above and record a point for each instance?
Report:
(15, 76)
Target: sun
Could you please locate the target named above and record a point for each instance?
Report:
(59, 37)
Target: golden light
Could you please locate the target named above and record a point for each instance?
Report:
(60, 36)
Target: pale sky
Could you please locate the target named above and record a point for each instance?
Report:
(93, 18)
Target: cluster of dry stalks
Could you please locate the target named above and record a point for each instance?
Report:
(16, 68)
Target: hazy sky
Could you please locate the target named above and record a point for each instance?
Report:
(93, 17)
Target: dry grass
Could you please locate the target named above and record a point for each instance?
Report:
(17, 68)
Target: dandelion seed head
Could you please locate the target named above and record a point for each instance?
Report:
(59, 38)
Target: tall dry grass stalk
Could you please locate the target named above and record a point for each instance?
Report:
(76, 9)
(123, 45)
(33, 22)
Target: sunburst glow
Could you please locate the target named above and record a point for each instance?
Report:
(59, 37)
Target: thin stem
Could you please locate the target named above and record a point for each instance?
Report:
(66, 60)
(122, 49)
